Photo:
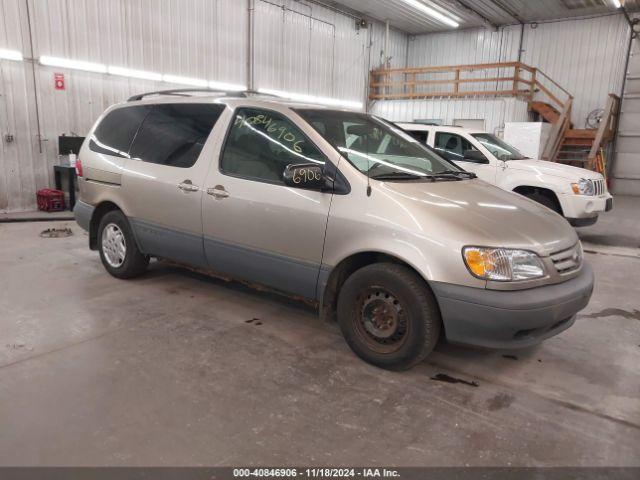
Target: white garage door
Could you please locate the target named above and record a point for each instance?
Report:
(626, 171)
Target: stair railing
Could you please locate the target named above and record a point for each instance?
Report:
(555, 95)
(558, 130)
(607, 127)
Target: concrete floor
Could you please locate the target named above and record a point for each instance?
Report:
(165, 370)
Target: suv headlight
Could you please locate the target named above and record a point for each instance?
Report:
(583, 187)
(502, 264)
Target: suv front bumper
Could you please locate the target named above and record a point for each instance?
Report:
(584, 206)
(514, 318)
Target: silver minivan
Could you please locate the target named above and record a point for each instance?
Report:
(344, 209)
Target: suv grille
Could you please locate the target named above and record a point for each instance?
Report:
(568, 260)
(599, 187)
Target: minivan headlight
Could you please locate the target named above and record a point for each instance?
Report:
(583, 187)
(502, 264)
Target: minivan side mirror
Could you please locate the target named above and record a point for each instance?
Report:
(475, 156)
(305, 175)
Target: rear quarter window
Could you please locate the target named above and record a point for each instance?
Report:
(173, 134)
(116, 131)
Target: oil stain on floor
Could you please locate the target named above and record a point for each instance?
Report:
(615, 312)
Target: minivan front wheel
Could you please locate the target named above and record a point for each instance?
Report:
(388, 316)
(118, 250)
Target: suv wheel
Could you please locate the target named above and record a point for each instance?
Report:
(118, 250)
(388, 316)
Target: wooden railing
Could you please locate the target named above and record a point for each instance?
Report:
(478, 80)
(608, 125)
(558, 130)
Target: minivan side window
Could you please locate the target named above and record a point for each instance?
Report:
(261, 143)
(452, 146)
(173, 134)
(114, 134)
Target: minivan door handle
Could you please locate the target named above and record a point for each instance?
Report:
(188, 186)
(218, 192)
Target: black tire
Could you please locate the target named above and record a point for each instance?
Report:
(545, 200)
(389, 335)
(134, 263)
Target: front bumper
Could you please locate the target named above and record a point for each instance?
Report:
(584, 206)
(511, 319)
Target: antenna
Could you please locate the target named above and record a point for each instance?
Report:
(368, 166)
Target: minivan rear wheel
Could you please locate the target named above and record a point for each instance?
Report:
(388, 316)
(118, 250)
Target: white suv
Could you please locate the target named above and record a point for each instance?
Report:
(575, 193)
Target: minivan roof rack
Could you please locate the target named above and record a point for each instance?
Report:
(184, 92)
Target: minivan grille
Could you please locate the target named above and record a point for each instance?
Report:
(568, 260)
(599, 187)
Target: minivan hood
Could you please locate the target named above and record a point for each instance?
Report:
(474, 212)
(543, 167)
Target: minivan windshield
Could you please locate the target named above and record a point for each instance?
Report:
(378, 148)
(499, 148)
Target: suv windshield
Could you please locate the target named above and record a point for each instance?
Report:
(377, 148)
(500, 149)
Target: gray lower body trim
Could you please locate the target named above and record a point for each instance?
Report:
(160, 241)
(323, 279)
(83, 213)
(511, 319)
(286, 274)
(282, 273)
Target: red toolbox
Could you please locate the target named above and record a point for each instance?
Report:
(50, 200)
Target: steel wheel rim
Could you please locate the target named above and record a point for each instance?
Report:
(114, 246)
(381, 320)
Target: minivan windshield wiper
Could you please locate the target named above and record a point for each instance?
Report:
(454, 173)
(443, 175)
(398, 176)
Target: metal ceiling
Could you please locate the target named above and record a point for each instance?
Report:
(476, 13)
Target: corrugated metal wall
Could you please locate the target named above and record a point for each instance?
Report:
(586, 57)
(464, 47)
(298, 47)
(21, 165)
(397, 47)
(494, 111)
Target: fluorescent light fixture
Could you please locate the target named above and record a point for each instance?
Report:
(127, 72)
(432, 13)
(194, 82)
(299, 97)
(232, 87)
(616, 3)
(10, 55)
(73, 64)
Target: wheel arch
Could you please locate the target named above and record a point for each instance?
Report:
(100, 211)
(526, 190)
(330, 283)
